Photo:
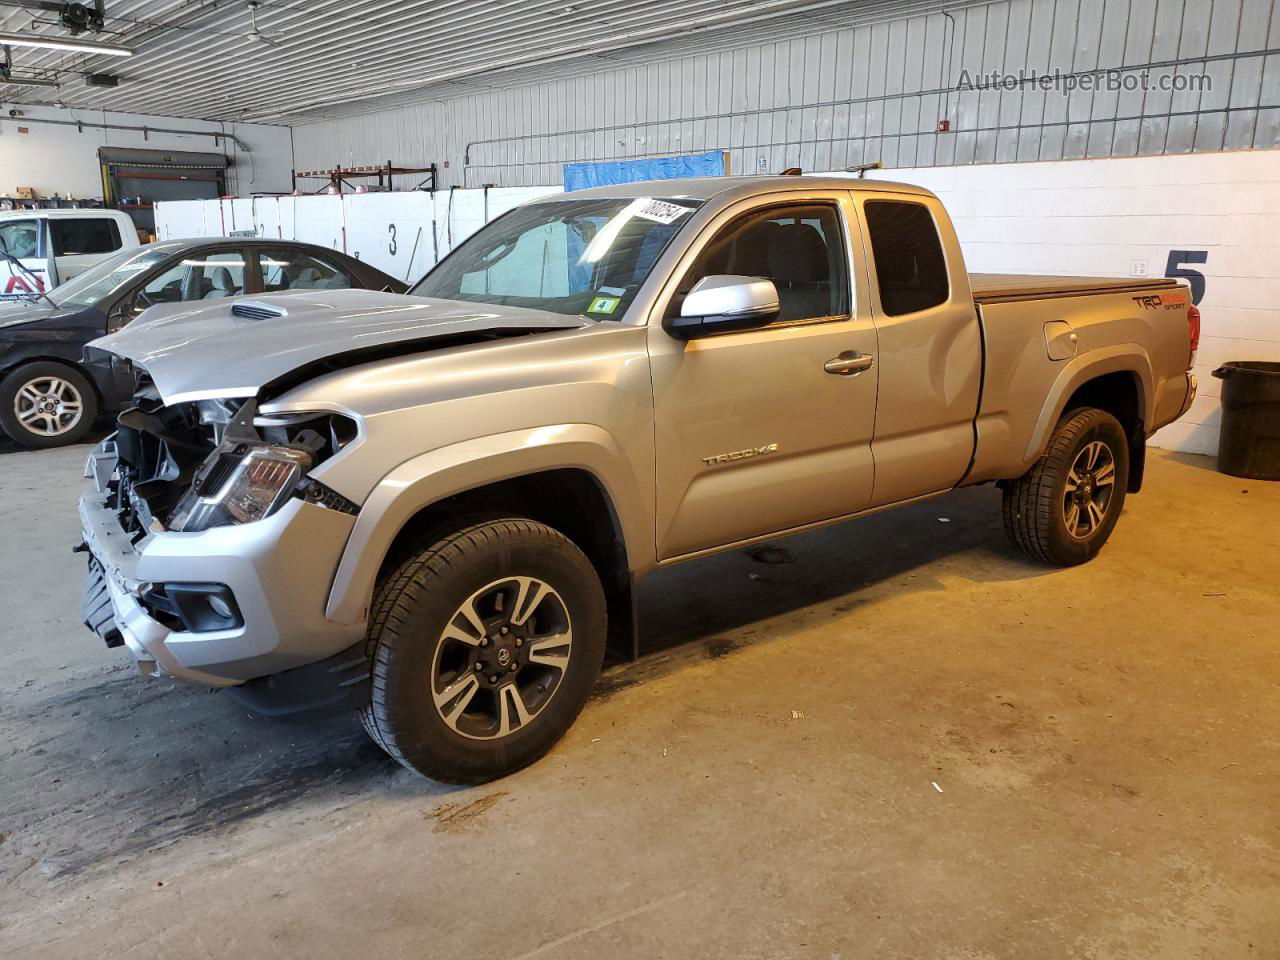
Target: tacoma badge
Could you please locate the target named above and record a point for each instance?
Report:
(740, 454)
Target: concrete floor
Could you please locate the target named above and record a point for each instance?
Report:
(906, 742)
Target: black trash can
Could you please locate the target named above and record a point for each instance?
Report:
(1249, 445)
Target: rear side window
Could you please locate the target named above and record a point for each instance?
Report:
(72, 237)
(910, 267)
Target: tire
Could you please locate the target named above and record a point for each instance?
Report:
(1038, 505)
(72, 401)
(431, 708)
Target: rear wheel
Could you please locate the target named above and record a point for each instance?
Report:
(1064, 508)
(485, 646)
(47, 404)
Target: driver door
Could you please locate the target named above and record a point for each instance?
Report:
(765, 430)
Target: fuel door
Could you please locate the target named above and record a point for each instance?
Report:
(1060, 340)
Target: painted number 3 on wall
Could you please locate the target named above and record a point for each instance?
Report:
(391, 244)
(1175, 268)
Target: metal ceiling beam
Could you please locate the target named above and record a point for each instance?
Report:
(189, 48)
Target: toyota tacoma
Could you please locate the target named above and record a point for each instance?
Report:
(432, 508)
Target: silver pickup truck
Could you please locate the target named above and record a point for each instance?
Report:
(433, 508)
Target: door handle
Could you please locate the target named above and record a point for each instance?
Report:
(849, 364)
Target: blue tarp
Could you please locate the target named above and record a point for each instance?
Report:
(579, 176)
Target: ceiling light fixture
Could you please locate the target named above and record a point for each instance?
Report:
(73, 44)
(26, 82)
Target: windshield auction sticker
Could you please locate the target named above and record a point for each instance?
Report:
(659, 211)
(603, 305)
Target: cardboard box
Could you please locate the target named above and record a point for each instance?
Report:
(25, 193)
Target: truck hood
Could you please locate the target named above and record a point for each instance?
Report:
(232, 348)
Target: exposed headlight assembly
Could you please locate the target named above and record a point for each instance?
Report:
(241, 483)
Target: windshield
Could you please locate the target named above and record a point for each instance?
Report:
(575, 257)
(103, 279)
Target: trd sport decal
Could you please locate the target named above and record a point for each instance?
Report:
(1161, 301)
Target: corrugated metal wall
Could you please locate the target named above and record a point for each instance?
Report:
(836, 97)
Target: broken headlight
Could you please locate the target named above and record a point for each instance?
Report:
(241, 483)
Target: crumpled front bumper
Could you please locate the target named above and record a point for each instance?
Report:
(279, 569)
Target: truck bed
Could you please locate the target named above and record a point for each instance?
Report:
(1006, 287)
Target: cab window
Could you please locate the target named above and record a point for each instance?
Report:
(910, 267)
(800, 248)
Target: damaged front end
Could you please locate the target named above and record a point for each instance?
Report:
(207, 463)
(212, 549)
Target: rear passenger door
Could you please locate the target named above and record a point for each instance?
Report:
(282, 268)
(763, 430)
(930, 355)
(80, 242)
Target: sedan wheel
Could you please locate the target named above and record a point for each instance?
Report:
(48, 406)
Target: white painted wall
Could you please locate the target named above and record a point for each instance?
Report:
(1099, 217)
(55, 158)
(1086, 217)
(391, 231)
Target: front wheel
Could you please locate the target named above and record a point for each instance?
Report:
(47, 404)
(1064, 508)
(485, 647)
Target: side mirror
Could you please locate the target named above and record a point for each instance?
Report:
(122, 314)
(723, 304)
